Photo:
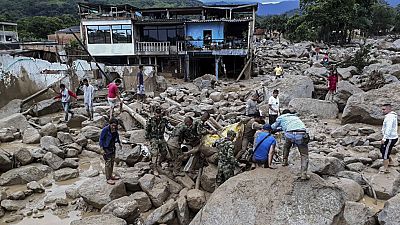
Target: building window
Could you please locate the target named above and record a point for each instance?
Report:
(122, 34)
(99, 34)
(163, 33)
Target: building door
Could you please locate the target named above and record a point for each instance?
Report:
(207, 37)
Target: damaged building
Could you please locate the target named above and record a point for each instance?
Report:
(180, 42)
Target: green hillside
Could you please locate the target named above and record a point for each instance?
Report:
(36, 19)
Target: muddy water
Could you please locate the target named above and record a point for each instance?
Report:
(370, 202)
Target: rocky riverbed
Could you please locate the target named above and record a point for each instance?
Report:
(52, 172)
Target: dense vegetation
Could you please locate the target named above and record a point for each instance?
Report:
(336, 20)
(36, 19)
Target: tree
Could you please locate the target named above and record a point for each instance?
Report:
(383, 19)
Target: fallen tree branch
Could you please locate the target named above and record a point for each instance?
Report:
(135, 115)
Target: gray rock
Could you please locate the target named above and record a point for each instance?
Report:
(156, 189)
(13, 218)
(98, 193)
(137, 136)
(12, 107)
(31, 136)
(91, 132)
(182, 211)
(128, 155)
(72, 193)
(385, 185)
(125, 208)
(307, 106)
(366, 107)
(128, 121)
(356, 167)
(49, 130)
(65, 138)
(19, 195)
(47, 141)
(17, 120)
(12, 205)
(352, 176)
(6, 135)
(52, 160)
(323, 165)
(5, 162)
(389, 213)
(359, 214)
(216, 96)
(291, 87)
(196, 199)
(24, 174)
(100, 219)
(351, 189)
(35, 187)
(157, 215)
(65, 174)
(289, 202)
(23, 156)
(46, 107)
(142, 200)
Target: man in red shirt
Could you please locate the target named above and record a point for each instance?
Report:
(114, 96)
(332, 85)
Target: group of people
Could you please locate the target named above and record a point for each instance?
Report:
(191, 131)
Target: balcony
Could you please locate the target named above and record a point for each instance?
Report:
(153, 48)
(232, 46)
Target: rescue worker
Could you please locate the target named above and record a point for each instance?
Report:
(251, 127)
(295, 134)
(176, 140)
(155, 130)
(251, 105)
(226, 159)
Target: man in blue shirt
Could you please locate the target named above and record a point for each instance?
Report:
(264, 147)
(108, 138)
(295, 134)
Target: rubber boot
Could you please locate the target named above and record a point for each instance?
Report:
(304, 168)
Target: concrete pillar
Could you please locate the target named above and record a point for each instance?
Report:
(217, 58)
(187, 67)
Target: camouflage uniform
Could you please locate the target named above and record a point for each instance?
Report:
(155, 130)
(175, 141)
(226, 160)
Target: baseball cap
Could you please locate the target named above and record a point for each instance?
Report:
(267, 127)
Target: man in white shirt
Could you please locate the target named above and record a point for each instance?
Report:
(88, 96)
(389, 132)
(273, 104)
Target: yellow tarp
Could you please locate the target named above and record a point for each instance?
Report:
(208, 140)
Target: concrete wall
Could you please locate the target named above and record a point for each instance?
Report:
(119, 49)
(21, 77)
(195, 30)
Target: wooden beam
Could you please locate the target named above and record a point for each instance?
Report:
(135, 115)
(244, 69)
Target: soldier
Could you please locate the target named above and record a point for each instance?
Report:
(198, 130)
(176, 139)
(155, 130)
(251, 127)
(226, 159)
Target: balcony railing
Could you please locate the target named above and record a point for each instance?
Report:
(153, 47)
(215, 44)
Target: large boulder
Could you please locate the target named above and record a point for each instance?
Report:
(54, 161)
(208, 178)
(128, 155)
(12, 107)
(31, 136)
(143, 201)
(47, 141)
(125, 208)
(24, 174)
(352, 191)
(262, 196)
(155, 188)
(359, 214)
(6, 135)
(91, 132)
(45, 107)
(196, 199)
(98, 193)
(344, 91)
(291, 87)
(100, 219)
(324, 165)
(16, 120)
(390, 212)
(49, 130)
(365, 107)
(316, 71)
(384, 185)
(307, 106)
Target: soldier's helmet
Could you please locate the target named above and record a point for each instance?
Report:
(231, 133)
